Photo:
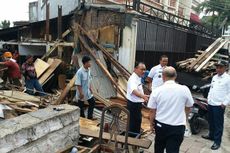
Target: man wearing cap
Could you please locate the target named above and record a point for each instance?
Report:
(13, 71)
(31, 79)
(218, 98)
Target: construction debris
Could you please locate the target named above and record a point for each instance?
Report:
(204, 61)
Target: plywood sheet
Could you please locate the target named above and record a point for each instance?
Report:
(40, 66)
(144, 143)
(15, 96)
(51, 69)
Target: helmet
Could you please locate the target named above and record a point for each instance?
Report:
(7, 55)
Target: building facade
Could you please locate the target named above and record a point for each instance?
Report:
(37, 10)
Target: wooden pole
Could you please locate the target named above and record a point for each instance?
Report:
(47, 21)
(59, 22)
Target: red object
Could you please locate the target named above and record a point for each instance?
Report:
(13, 69)
(195, 18)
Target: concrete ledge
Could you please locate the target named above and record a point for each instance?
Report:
(42, 131)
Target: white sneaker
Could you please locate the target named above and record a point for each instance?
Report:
(187, 133)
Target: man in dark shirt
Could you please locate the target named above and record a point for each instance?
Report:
(31, 79)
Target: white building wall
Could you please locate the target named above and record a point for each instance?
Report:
(67, 7)
(127, 53)
(187, 5)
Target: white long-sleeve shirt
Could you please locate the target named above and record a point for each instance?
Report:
(220, 90)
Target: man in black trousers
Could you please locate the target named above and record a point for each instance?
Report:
(136, 97)
(168, 116)
(84, 87)
(218, 98)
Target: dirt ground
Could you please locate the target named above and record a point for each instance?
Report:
(195, 144)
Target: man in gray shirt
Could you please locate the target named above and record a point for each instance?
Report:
(84, 88)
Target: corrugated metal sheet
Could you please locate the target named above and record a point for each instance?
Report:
(100, 82)
(154, 40)
(161, 38)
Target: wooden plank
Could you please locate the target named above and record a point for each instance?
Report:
(50, 70)
(143, 143)
(15, 96)
(65, 91)
(56, 44)
(211, 55)
(40, 66)
(118, 66)
(194, 63)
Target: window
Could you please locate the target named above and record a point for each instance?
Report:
(172, 3)
(181, 11)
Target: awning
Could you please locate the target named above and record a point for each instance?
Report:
(195, 18)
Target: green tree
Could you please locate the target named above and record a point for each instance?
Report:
(216, 12)
(5, 24)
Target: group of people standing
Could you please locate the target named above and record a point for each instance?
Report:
(169, 102)
(13, 73)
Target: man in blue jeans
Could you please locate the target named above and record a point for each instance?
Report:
(31, 79)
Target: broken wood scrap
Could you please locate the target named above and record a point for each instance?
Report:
(15, 96)
(49, 72)
(8, 113)
(205, 53)
(120, 90)
(56, 44)
(222, 43)
(118, 66)
(65, 91)
(143, 143)
(40, 66)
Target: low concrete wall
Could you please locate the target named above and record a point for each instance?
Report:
(43, 131)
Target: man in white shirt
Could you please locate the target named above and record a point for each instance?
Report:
(218, 98)
(167, 116)
(136, 97)
(155, 74)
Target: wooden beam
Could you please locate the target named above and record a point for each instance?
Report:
(118, 66)
(211, 55)
(55, 44)
(143, 143)
(120, 90)
(65, 91)
(201, 57)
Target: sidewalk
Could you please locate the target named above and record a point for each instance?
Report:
(195, 144)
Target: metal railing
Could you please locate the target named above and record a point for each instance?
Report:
(164, 16)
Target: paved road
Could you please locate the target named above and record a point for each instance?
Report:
(195, 144)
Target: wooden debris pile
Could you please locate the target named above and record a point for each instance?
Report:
(204, 61)
(14, 103)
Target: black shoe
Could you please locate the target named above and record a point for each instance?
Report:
(215, 146)
(207, 137)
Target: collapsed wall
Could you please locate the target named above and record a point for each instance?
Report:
(44, 131)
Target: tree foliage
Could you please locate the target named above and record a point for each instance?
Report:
(216, 11)
(5, 24)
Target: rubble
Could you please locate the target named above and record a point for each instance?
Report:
(204, 61)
